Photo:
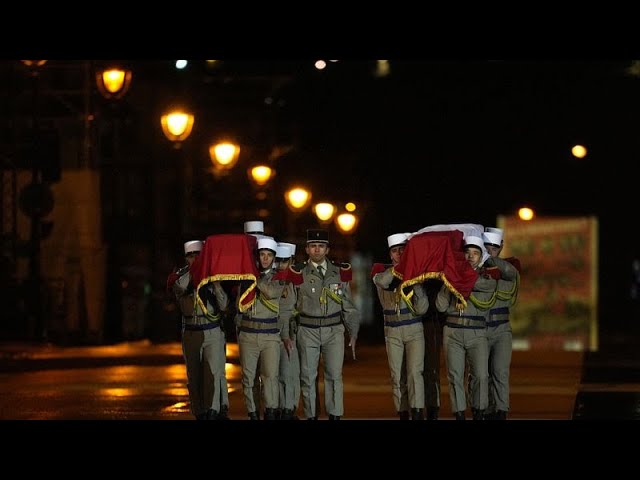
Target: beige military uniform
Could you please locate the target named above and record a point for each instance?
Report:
(325, 307)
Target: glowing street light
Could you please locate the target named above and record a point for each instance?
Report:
(324, 211)
(224, 155)
(347, 222)
(261, 174)
(177, 126)
(113, 83)
(526, 213)
(297, 198)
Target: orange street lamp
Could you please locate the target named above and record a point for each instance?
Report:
(297, 198)
(526, 213)
(261, 174)
(224, 154)
(113, 83)
(324, 211)
(177, 126)
(346, 223)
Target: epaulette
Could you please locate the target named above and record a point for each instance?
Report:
(515, 262)
(171, 280)
(346, 274)
(378, 268)
(492, 272)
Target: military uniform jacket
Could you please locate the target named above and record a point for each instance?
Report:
(394, 308)
(507, 291)
(288, 313)
(326, 301)
(212, 295)
(264, 314)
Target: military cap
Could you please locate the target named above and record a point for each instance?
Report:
(321, 236)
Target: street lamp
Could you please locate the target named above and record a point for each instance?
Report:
(324, 211)
(113, 83)
(261, 174)
(224, 156)
(347, 223)
(177, 126)
(297, 198)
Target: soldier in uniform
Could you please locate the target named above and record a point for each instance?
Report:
(289, 377)
(259, 336)
(325, 307)
(256, 228)
(203, 341)
(499, 334)
(403, 333)
(465, 329)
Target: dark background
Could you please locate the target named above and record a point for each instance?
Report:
(436, 141)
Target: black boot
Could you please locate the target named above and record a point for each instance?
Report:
(202, 416)
(500, 415)
(459, 415)
(432, 413)
(416, 414)
(477, 414)
(404, 415)
(334, 417)
(269, 414)
(278, 414)
(253, 416)
(224, 413)
(312, 418)
(287, 414)
(212, 414)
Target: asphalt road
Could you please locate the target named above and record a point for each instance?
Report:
(145, 381)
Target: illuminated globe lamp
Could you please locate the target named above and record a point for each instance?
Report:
(113, 83)
(324, 211)
(297, 198)
(261, 174)
(177, 125)
(526, 213)
(224, 156)
(347, 223)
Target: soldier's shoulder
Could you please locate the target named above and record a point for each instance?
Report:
(342, 265)
(346, 274)
(298, 267)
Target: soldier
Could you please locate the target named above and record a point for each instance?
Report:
(289, 377)
(403, 333)
(325, 307)
(203, 341)
(465, 336)
(499, 334)
(259, 336)
(256, 228)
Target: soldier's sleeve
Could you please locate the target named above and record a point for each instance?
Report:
(351, 315)
(384, 279)
(271, 289)
(221, 296)
(507, 270)
(181, 285)
(420, 299)
(443, 299)
(287, 307)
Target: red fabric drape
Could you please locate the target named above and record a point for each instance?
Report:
(437, 255)
(227, 257)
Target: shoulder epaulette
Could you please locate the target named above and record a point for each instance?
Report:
(298, 266)
(346, 274)
(378, 268)
(515, 262)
